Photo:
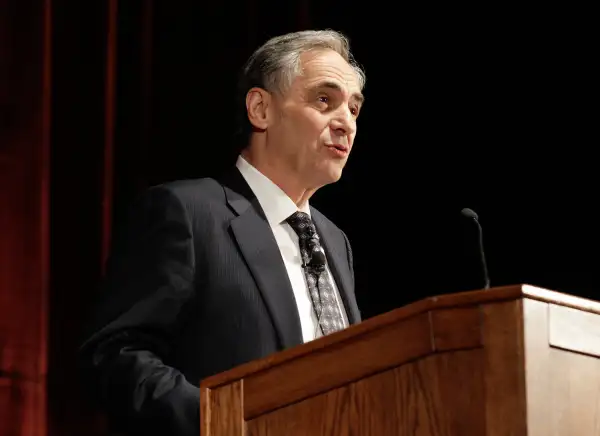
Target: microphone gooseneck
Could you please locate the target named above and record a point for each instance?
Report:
(470, 213)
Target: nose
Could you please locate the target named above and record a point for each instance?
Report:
(344, 122)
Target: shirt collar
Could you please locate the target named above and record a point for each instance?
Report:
(275, 203)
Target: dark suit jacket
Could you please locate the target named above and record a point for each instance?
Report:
(195, 287)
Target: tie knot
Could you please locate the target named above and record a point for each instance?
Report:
(302, 225)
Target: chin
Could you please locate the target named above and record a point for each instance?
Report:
(331, 176)
(336, 176)
(327, 174)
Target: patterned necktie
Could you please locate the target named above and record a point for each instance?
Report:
(319, 281)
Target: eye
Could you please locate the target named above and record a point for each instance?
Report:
(354, 111)
(324, 99)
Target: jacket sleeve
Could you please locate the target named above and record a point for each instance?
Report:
(149, 283)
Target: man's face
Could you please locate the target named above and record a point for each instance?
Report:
(313, 124)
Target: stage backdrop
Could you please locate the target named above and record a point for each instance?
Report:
(482, 107)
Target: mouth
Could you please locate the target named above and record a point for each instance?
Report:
(339, 148)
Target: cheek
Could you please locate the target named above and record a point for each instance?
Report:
(318, 125)
(309, 119)
(310, 127)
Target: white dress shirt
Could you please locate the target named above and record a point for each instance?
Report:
(278, 207)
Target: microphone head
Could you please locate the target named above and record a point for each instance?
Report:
(317, 258)
(469, 213)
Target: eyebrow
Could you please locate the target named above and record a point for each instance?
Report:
(333, 85)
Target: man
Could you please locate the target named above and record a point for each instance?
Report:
(216, 273)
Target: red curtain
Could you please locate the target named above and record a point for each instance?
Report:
(57, 90)
(25, 52)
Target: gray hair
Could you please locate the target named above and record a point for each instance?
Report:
(275, 64)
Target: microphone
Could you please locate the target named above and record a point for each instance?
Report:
(315, 255)
(470, 213)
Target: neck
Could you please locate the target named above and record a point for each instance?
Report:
(272, 169)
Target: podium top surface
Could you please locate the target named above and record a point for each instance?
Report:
(445, 301)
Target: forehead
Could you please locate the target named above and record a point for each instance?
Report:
(321, 65)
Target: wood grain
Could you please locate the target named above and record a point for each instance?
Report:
(368, 354)
(423, 398)
(572, 394)
(317, 372)
(441, 395)
(225, 416)
(324, 414)
(456, 329)
(563, 385)
(505, 402)
(460, 378)
(574, 330)
(537, 367)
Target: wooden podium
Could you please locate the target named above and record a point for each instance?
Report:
(515, 360)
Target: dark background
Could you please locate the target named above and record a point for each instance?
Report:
(480, 106)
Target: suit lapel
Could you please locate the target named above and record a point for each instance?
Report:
(259, 248)
(335, 249)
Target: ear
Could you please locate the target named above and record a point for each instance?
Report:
(257, 105)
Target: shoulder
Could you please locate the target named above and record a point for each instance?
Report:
(175, 200)
(334, 235)
(328, 226)
(320, 216)
(190, 192)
